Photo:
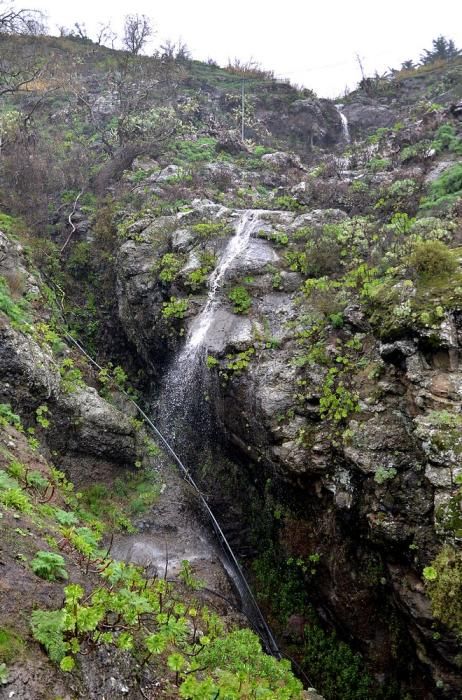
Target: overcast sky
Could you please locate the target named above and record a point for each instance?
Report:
(311, 43)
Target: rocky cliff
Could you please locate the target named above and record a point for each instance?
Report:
(329, 374)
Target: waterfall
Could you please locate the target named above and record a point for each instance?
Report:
(181, 391)
(345, 129)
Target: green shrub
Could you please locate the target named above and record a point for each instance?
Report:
(383, 474)
(71, 376)
(376, 165)
(432, 259)
(443, 580)
(49, 565)
(17, 499)
(48, 629)
(445, 191)
(449, 182)
(175, 308)
(210, 229)
(12, 309)
(242, 301)
(4, 675)
(337, 672)
(337, 401)
(287, 203)
(169, 267)
(447, 139)
(7, 417)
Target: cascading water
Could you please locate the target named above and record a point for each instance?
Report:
(181, 406)
(181, 397)
(345, 128)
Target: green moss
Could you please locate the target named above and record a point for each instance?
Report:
(11, 645)
(445, 587)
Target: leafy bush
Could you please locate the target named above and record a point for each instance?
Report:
(71, 376)
(432, 259)
(336, 670)
(376, 165)
(241, 299)
(49, 565)
(443, 580)
(4, 675)
(447, 139)
(210, 229)
(7, 417)
(127, 611)
(287, 203)
(175, 308)
(383, 474)
(170, 265)
(11, 645)
(336, 401)
(15, 498)
(47, 629)
(445, 190)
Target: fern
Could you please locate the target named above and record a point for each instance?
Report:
(47, 629)
(49, 566)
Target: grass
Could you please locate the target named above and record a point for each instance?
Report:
(11, 645)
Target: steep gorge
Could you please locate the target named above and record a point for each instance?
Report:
(296, 318)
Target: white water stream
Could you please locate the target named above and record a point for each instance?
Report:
(246, 225)
(181, 385)
(345, 128)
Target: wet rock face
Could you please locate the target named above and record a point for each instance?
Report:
(308, 123)
(364, 117)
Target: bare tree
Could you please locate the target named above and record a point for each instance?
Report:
(137, 30)
(105, 35)
(22, 21)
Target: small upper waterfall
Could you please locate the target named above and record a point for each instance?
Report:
(181, 392)
(238, 243)
(345, 129)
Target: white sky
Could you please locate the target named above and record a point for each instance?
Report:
(312, 43)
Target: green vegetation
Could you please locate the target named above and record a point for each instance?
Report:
(11, 645)
(169, 267)
(241, 299)
(383, 474)
(4, 675)
(443, 580)
(175, 308)
(49, 565)
(237, 363)
(200, 150)
(210, 229)
(338, 672)
(445, 191)
(432, 259)
(446, 139)
(337, 401)
(7, 417)
(145, 617)
(71, 376)
(14, 310)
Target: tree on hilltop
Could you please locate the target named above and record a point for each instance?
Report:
(442, 49)
(20, 21)
(137, 30)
